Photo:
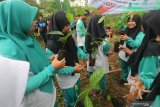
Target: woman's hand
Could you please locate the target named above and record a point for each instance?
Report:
(78, 68)
(58, 64)
(52, 57)
(131, 97)
(124, 37)
(139, 87)
(125, 49)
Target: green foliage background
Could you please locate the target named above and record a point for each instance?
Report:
(49, 7)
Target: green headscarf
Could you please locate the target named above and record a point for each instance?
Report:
(16, 18)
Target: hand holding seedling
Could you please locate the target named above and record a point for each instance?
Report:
(139, 87)
(52, 57)
(125, 49)
(124, 37)
(78, 68)
(58, 64)
(122, 47)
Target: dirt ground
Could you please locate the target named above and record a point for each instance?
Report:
(114, 89)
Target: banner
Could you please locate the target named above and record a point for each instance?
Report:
(122, 6)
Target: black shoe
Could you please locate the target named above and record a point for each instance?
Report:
(122, 81)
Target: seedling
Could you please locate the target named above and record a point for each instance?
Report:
(63, 40)
(94, 82)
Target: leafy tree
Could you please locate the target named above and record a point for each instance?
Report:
(66, 6)
(57, 4)
(47, 8)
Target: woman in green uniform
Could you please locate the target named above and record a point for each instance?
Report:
(16, 19)
(97, 40)
(131, 39)
(67, 82)
(148, 61)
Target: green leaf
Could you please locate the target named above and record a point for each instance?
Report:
(96, 42)
(56, 33)
(120, 21)
(87, 34)
(92, 43)
(97, 86)
(64, 39)
(70, 17)
(109, 98)
(95, 78)
(88, 102)
(85, 93)
(69, 34)
(122, 17)
(76, 87)
(101, 19)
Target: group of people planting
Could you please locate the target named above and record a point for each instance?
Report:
(139, 53)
